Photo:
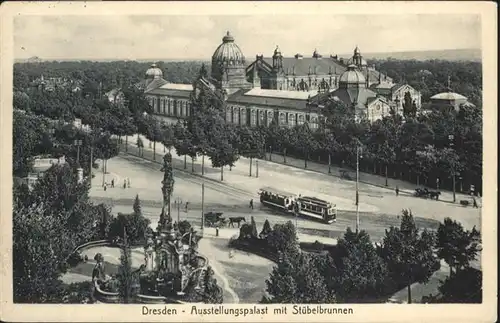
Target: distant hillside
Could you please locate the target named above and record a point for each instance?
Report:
(448, 54)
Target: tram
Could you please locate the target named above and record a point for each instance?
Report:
(300, 206)
(277, 199)
(316, 208)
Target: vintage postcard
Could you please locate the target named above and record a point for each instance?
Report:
(249, 161)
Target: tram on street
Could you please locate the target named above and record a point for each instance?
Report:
(277, 199)
(316, 208)
(299, 205)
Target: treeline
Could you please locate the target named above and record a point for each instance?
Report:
(430, 77)
(358, 271)
(111, 74)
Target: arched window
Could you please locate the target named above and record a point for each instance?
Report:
(236, 115)
(291, 119)
(300, 119)
(282, 118)
(262, 117)
(253, 118)
(243, 116)
(270, 117)
(313, 124)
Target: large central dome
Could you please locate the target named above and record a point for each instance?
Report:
(228, 52)
(352, 78)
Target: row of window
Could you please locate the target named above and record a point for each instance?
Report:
(257, 117)
(170, 107)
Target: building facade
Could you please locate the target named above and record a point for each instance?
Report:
(286, 90)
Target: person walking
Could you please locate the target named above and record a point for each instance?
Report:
(124, 184)
(474, 202)
(397, 191)
(105, 186)
(251, 204)
(112, 183)
(128, 182)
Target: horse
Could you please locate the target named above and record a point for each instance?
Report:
(238, 220)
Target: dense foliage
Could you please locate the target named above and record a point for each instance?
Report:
(48, 223)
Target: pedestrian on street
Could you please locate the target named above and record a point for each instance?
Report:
(251, 204)
(124, 184)
(474, 202)
(105, 186)
(217, 231)
(397, 191)
(112, 183)
(231, 253)
(128, 182)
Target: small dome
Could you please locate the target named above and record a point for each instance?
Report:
(449, 96)
(154, 72)
(228, 52)
(352, 77)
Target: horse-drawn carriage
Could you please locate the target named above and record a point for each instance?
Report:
(425, 193)
(215, 219)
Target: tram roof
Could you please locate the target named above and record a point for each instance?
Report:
(313, 200)
(276, 191)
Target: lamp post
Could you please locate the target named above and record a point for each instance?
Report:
(202, 207)
(451, 139)
(178, 203)
(358, 152)
(77, 143)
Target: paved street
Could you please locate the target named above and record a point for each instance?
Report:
(339, 191)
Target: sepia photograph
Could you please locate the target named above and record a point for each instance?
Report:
(226, 165)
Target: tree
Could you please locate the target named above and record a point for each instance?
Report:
(409, 253)
(295, 279)
(465, 286)
(252, 143)
(361, 273)
(137, 206)
(409, 107)
(266, 229)
(458, 247)
(37, 255)
(212, 293)
(125, 274)
(283, 239)
(254, 228)
(140, 146)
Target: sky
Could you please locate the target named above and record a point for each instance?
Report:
(197, 37)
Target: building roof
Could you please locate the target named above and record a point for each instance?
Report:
(281, 94)
(360, 96)
(304, 66)
(450, 96)
(228, 51)
(352, 76)
(156, 83)
(240, 97)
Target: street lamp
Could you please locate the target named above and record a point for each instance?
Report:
(77, 143)
(178, 203)
(451, 140)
